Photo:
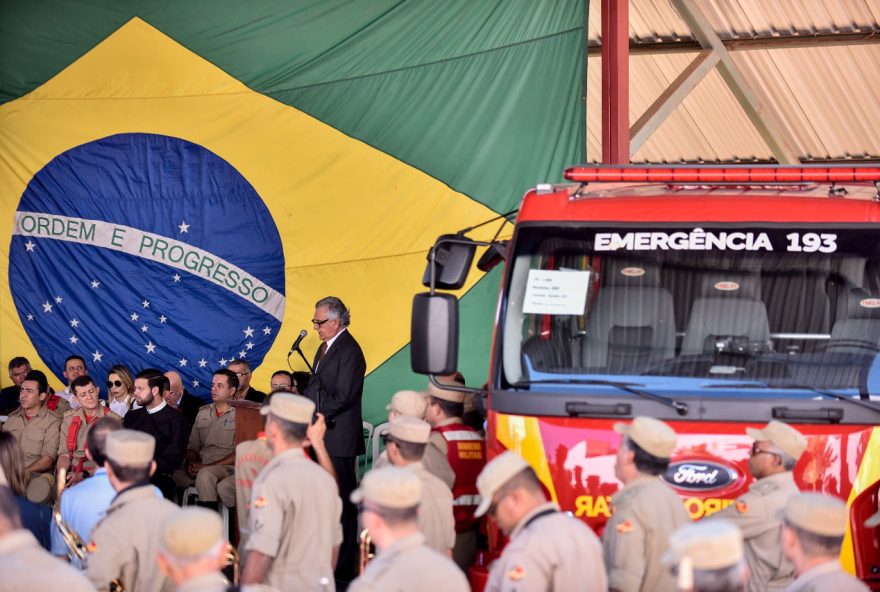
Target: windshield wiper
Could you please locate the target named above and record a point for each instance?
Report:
(680, 406)
(804, 387)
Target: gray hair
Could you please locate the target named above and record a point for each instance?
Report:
(335, 309)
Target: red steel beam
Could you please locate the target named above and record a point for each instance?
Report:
(615, 81)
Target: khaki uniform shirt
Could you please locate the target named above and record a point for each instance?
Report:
(756, 513)
(433, 460)
(827, 577)
(407, 565)
(125, 542)
(80, 451)
(251, 456)
(25, 565)
(211, 436)
(436, 521)
(549, 550)
(38, 436)
(646, 512)
(294, 518)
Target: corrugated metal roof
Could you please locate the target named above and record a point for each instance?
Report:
(827, 96)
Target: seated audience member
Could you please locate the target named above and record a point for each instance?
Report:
(36, 429)
(83, 505)
(242, 371)
(24, 565)
(167, 425)
(35, 517)
(120, 390)
(193, 549)
(74, 367)
(75, 426)
(210, 453)
(708, 556)
(18, 369)
(282, 380)
(179, 398)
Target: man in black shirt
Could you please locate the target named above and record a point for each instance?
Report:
(166, 424)
(18, 369)
(243, 370)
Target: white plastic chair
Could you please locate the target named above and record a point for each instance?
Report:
(379, 431)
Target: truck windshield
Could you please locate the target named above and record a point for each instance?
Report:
(685, 307)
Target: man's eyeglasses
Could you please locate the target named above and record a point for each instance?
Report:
(240, 374)
(756, 451)
(319, 323)
(112, 383)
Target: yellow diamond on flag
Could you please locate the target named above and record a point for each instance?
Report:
(353, 221)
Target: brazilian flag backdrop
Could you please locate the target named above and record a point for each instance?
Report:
(180, 181)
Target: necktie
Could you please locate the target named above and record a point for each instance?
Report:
(321, 351)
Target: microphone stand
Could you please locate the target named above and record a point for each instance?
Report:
(320, 390)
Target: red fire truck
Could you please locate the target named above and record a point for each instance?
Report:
(714, 298)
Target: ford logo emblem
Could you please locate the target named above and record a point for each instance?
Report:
(699, 475)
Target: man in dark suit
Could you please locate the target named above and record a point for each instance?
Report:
(178, 398)
(166, 424)
(336, 388)
(18, 369)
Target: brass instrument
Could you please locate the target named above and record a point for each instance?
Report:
(75, 547)
(116, 586)
(233, 559)
(365, 553)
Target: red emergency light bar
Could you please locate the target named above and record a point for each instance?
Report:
(712, 174)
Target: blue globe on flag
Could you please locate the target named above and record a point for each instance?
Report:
(146, 250)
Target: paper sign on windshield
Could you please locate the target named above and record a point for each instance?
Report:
(556, 292)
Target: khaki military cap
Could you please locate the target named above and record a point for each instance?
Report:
(709, 544)
(389, 487)
(818, 513)
(652, 435)
(446, 395)
(411, 403)
(494, 475)
(782, 436)
(410, 429)
(294, 408)
(190, 532)
(130, 448)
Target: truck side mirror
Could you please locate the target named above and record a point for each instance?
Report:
(434, 338)
(453, 255)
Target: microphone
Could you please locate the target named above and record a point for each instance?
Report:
(295, 346)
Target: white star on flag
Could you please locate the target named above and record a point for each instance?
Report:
(182, 361)
(184, 227)
(242, 354)
(249, 345)
(74, 323)
(134, 316)
(47, 307)
(203, 362)
(145, 303)
(267, 330)
(195, 383)
(59, 300)
(96, 357)
(30, 317)
(144, 328)
(222, 362)
(96, 284)
(163, 319)
(74, 339)
(176, 277)
(29, 246)
(248, 332)
(150, 347)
